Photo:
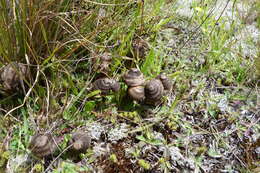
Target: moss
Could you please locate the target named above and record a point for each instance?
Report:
(4, 158)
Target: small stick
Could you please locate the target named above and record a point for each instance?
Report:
(27, 95)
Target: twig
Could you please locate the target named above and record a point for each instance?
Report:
(48, 95)
(197, 29)
(57, 158)
(222, 12)
(27, 95)
(104, 4)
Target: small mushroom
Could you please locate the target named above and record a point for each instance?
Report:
(80, 141)
(153, 92)
(12, 76)
(105, 85)
(140, 48)
(42, 145)
(134, 77)
(105, 57)
(167, 84)
(101, 62)
(105, 61)
(136, 93)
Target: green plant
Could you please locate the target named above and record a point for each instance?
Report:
(210, 102)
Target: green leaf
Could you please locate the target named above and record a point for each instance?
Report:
(144, 164)
(89, 106)
(113, 158)
(149, 141)
(162, 22)
(93, 93)
(214, 153)
(149, 63)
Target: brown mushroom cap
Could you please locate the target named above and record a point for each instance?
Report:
(106, 57)
(105, 85)
(80, 141)
(134, 77)
(13, 74)
(115, 86)
(153, 91)
(167, 84)
(105, 61)
(136, 93)
(140, 48)
(101, 61)
(42, 145)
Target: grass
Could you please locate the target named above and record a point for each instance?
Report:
(209, 122)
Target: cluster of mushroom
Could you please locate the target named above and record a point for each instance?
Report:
(151, 92)
(43, 145)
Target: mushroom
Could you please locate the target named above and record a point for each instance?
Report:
(140, 48)
(105, 60)
(12, 76)
(101, 61)
(105, 85)
(136, 93)
(134, 77)
(42, 145)
(153, 92)
(167, 84)
(80, 141)
(105, 57)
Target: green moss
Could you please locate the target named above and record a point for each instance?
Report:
(4, 158)
(38, 168)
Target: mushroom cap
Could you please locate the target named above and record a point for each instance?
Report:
(101, 61)
(80, 141)
(12, 74)
(78, 145)
(167, 84)
(105, 85)
(153, 91)
(105, 61)
(101, 57)
(42, 145)
(140, 47)
(134, 77)
(136, 93)
(115, 86)
(105, 57)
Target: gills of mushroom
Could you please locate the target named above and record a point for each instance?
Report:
(153, 92)
(42, 145)
(105, 85)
